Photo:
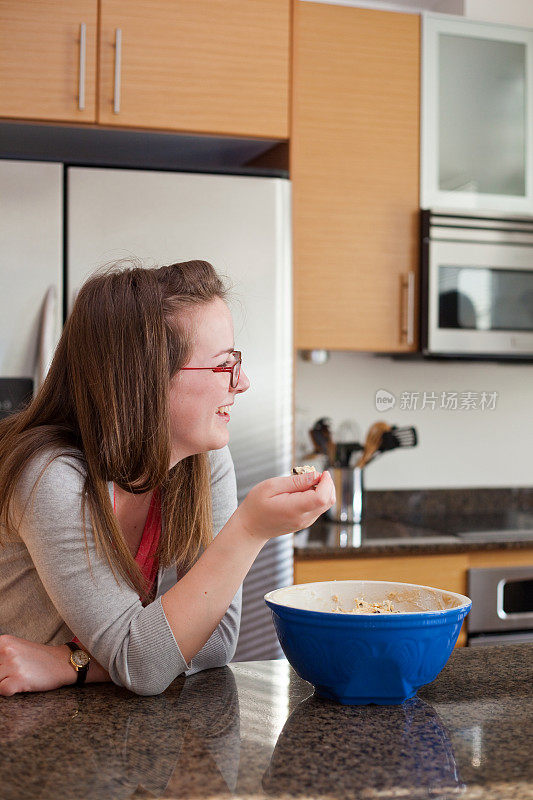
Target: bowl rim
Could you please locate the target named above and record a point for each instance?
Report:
(466, 602)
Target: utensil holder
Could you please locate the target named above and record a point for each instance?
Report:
(348, 482)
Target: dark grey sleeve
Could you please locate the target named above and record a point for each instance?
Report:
(134, 644)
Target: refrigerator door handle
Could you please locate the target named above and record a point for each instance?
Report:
(46, 345)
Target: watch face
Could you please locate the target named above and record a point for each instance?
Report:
(80, 658)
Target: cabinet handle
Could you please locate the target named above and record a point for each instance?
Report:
(408, 321)
(118, 64)
(81, 85)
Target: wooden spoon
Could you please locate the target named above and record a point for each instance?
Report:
(372, 442)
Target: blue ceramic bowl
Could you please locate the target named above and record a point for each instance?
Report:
(358, 659)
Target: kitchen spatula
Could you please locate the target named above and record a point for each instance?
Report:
(398, 437)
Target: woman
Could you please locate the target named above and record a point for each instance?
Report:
(113, 483)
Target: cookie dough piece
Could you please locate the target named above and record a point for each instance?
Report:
(362, 606)
(301, 470)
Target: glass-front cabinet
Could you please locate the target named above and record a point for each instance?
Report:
(477, 134)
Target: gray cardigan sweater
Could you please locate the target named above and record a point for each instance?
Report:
(49, 593)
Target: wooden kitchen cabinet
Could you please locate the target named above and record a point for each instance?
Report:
(442, 571)
(48, 60)
(208, 66)
(355, 172)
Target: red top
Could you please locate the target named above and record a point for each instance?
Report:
(146, 557)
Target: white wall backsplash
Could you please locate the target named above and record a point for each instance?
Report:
(457, 448)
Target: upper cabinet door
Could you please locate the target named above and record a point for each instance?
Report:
(213, 66)
(355, 174)
(476, 116)
(48, 60)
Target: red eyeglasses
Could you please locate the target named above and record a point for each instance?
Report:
(234, 369)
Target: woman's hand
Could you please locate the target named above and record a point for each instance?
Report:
(30, 667)
(284, 505)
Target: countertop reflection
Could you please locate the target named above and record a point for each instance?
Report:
(380, 536)
(256, 730)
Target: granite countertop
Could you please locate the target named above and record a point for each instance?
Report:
(411, 522)
(255, 730)
(379, 537)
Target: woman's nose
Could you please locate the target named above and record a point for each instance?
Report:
(243, 383)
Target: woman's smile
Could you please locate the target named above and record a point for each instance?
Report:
(223, 411)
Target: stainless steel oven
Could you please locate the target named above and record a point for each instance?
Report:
(476, 286)
(502, 605)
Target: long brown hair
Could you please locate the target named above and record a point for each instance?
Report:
(106, 399)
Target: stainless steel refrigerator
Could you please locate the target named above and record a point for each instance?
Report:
(59, 224)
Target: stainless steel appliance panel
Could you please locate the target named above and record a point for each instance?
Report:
(31, 266)
(477, 286)
(502, 599)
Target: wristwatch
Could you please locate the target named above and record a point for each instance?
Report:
(80, 661)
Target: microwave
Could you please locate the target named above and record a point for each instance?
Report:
(476, 286)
